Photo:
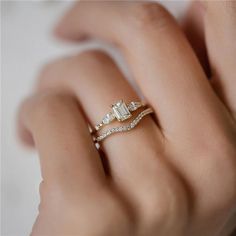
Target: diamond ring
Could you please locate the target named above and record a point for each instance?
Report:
(124, 128)
(120, 111)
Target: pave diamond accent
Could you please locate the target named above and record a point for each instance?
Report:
(125, 127)
(121, 111)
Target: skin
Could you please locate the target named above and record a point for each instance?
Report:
(174, 174)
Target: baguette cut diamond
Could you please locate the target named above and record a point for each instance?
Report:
(121, 111)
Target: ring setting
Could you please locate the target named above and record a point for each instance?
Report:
(121, 112)
(124, 128)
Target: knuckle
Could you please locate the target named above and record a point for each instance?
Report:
(115, 214)
(156, 210)
(45, 106)
(165, 207)
(150, 16)
(105, 212)
(103, 208)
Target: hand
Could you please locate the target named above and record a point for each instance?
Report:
(174, 175)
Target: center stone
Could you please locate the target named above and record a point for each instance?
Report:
(121, 111)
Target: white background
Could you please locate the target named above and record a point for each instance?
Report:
(26, 45)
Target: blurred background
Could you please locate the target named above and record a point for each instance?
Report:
(26, 45)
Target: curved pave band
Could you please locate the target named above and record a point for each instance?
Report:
(120, 111)
(124, 128)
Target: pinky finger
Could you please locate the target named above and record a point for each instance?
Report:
(67, 154)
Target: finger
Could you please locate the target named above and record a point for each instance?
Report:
(193, 27)
(160, 57)
(135, 158)
(67, 155)
(172, 80)
(220, 22)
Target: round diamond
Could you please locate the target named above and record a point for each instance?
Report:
(120, 128)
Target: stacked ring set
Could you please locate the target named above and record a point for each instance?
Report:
(121, 112)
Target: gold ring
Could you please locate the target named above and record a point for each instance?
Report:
(124, 128)
(120, 111)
